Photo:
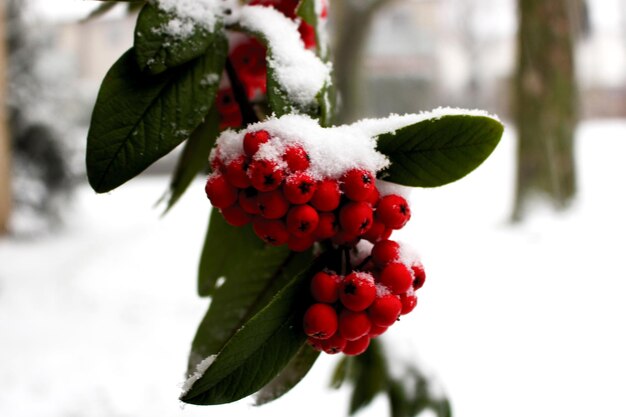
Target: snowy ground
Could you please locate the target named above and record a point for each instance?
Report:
(513, 320)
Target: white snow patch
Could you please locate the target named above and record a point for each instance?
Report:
(408, 256)
(193, 13)
(209, 79)
(332, 151)
(388, 188)
(200, 370)
(299, 71)
(375, 127)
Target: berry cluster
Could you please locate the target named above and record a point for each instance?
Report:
(247, 56)
(287, 205)
(350, 310)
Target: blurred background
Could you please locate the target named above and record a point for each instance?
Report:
(521, 312)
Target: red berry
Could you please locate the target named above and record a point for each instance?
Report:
(335, 344)
(356, 347)
(300, 243)
(299, 188)
(327, 226)
(384, 252)
(296, 158)
(393, 211)
(358, 184)
(273, 232)
(302, 220)
(236, 172)
(356, 217)
(248, 200)
(327, 196)
(419, 276)
(325, 287)
(248, 59)
(253, 140)
(307, 34)
(375, 233)
(265, 175)
(357, 291)
(385, 310)
(272, 204)
(397, 277)
(373, 197)
(377, 330)
(228, 109)
(409, 301)
(354, 325)
(320, 321)
(220, 192)
(236, 216)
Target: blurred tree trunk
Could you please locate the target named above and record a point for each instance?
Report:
(545, 103)
(353, 19)
(5, 169)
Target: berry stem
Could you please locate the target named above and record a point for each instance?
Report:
(247, 112)
(365, 261)
(347, 265)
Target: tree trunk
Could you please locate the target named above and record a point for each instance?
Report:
(5, 166)
(353, 20)
(545, 104)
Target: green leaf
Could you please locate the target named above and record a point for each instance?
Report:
(276, 96)
(194, 157)
(138, 118)
(289, 377)
(226, 248)
(409, 394)
(438, 151)
(249, 273)
(370, 376)
(340, 374)
(157, 50)
(259, 350)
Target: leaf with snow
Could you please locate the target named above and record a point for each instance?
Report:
(260, 348)
(436, 148)
(138, 119)
(164, 40)
(295, 75)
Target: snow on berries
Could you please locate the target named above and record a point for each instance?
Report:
(294, 181)
(297, 183)
(364, 303)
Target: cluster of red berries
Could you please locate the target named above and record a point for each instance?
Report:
(350, 310)
(248, 60)
(286, 205)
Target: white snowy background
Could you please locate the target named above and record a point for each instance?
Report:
(514, 320)
(523, 320)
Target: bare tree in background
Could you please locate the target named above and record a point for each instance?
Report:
(5, 169)
(353, 19)
(545, 103)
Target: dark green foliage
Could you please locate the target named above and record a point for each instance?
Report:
(300, 364)
(438, 151)
(138, 118)
(260, 348)
(369, 376)
(194, 157)
(157, 50)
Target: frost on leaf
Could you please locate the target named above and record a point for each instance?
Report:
(200, 370)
